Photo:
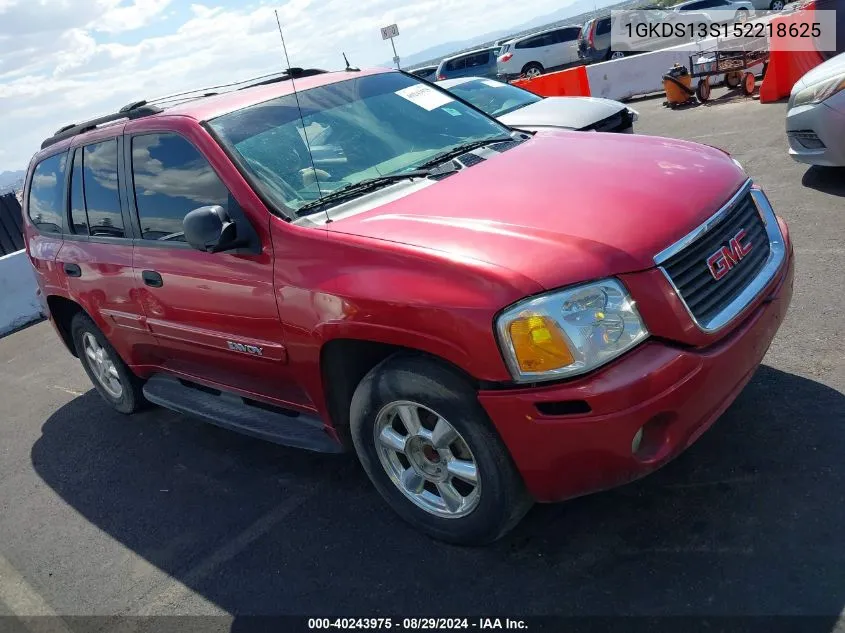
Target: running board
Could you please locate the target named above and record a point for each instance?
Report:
(244, 415)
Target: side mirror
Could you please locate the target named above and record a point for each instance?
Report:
(211, 230)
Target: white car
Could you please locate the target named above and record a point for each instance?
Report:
(532, 55)
(815, 117)
(718, 11)
(519, 108)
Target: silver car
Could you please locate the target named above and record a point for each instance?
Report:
(815, 117)
(519, 108)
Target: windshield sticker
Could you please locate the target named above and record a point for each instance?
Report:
(452, 111)
(492, 84)
(425, 97)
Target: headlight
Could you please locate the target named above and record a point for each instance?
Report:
(820, 91)
(569, 332)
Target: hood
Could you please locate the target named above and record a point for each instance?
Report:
(573, 113)
(832, 67)
(562, 207)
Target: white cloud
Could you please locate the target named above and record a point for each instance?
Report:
(60, 61)
(122, 16)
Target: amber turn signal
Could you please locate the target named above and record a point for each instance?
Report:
(538, 344)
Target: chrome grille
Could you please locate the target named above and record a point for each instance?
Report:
(714, 302)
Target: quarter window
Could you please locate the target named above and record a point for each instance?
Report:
(102, 199)
(78, 215)
(46, 194)
(171, 178)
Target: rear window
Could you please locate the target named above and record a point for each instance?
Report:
(46, 194)
(505, 48)
(603, 27)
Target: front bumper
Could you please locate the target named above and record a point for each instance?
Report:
(826, 124)
(672, 393)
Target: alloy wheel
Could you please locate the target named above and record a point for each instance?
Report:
(101, 365)
(427, 459)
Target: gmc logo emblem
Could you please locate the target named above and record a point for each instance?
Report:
(721, 262)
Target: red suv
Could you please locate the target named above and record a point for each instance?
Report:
(358, 265)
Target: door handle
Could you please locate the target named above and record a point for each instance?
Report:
(73, 270)
(152, 278)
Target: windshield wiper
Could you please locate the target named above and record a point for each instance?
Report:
(364, 186)
(463, 149)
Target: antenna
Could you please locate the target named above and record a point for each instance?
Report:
(301, 118)
(348, 67)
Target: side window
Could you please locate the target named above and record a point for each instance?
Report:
(457, 64)
(46, 194)
(102, 200)
(171, 178)
(603, 27)
(481, 59)
(78, 216)
(571, 34)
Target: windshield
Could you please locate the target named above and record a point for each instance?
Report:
(494, 97)
(358, 129)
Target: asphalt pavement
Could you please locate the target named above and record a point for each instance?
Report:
(102, 514)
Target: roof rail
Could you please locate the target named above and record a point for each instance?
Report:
(131, 111)
(139, 109)
(190, 95)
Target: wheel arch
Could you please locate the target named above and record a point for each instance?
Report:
(62, 311)
(345, 361)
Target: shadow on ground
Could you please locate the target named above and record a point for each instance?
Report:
(748, 521)
(825, 179)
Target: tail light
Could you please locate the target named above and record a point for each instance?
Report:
(505, 58)
(440, 78)
(592, 33)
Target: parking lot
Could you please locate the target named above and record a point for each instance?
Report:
(160, 514)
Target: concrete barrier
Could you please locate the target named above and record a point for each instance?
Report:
(19, 303)
(640, 74)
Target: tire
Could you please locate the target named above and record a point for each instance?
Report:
(615, 55)
(733, 79)
(749, 82)
(85, 335)
(741, 15)
(487, 509)
(532, 70)
(777, 5)
(702, 91)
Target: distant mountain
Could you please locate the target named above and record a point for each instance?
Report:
(576, 13)
(9, 178)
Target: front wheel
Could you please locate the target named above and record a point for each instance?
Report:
(616, 55)
(428, 447)
(777, 5)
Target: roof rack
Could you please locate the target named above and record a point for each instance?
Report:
(139, 109)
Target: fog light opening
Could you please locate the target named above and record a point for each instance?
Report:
(635, 443)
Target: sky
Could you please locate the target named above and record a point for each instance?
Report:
(63, 61)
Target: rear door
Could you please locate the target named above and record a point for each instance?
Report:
(480, 64)
(565, 49)
(214, 314)
(96, 256)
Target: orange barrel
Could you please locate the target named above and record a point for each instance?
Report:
(676, 84)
